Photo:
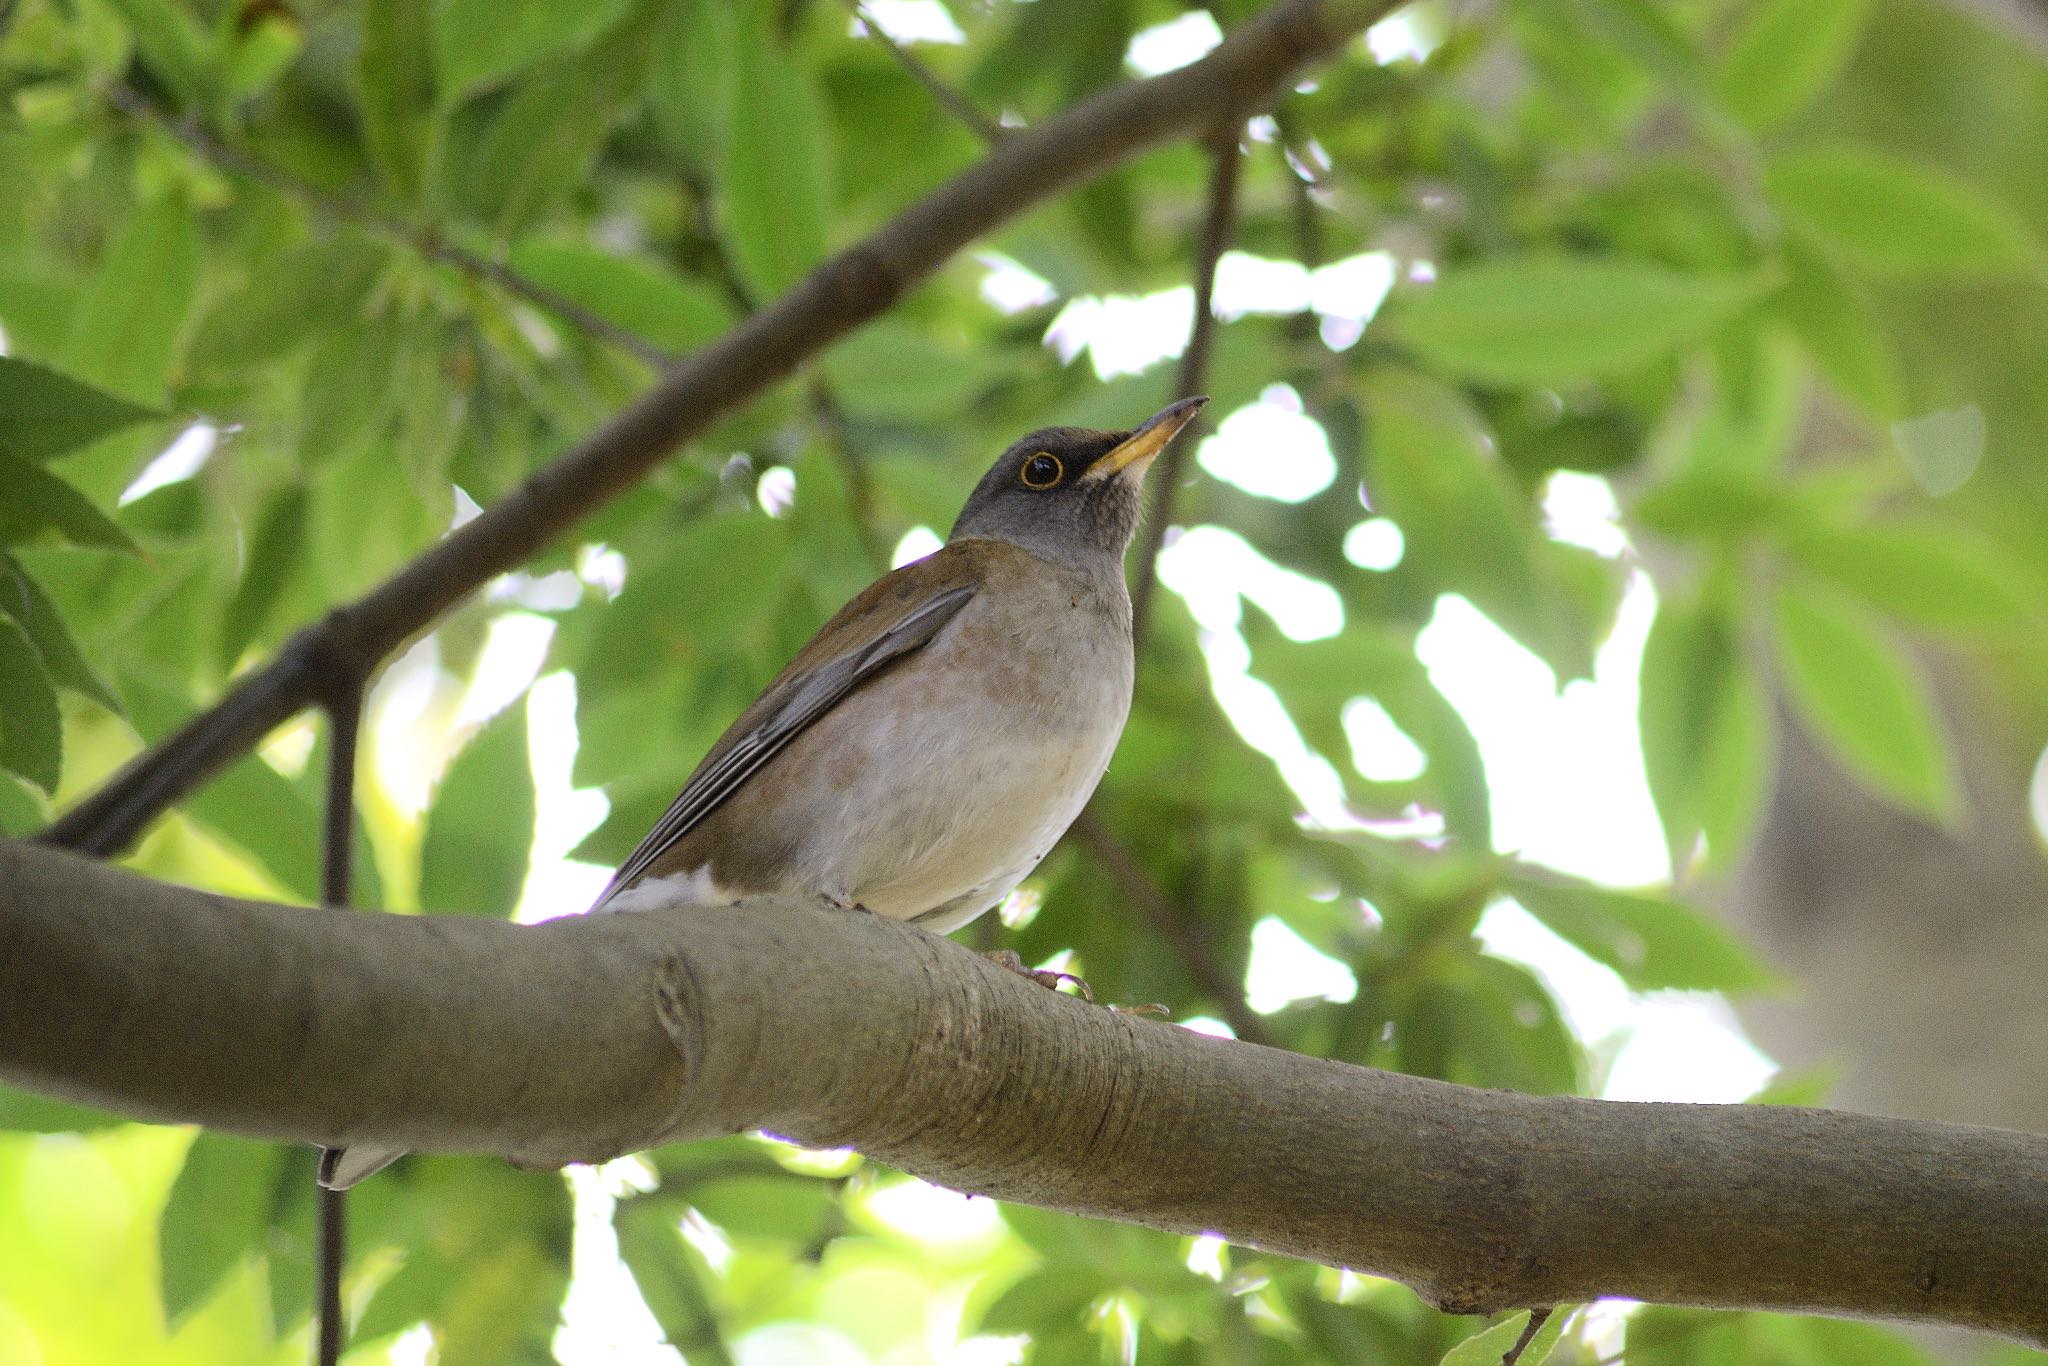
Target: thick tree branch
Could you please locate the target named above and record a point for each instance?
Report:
(1249, 67)
(588, 1037)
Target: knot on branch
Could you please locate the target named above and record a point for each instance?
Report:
(339, 663)
(862, 280)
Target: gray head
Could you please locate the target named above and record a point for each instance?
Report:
(1070, 494)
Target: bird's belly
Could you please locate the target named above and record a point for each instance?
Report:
(937, 801)
(967, 807)
(928, 793)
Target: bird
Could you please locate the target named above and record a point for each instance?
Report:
(924, 750)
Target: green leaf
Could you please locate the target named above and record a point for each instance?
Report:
(542, 143)
(1652, 942)
(1044, 1301)
(791, 1208)
(1927, 573)
(351, 387)
(21, 815)
(486, 1258)
(269, 44)
(778, 171)
(1864, 701)
(1643, 32)
(481, 42)
(277, 556)
(1432, 469)
(395, 79)
(891, 369)
(1543, 319)
(174, 46)
(1490, 1347)
(674, 312)
(23, 601)
(1784, 54)
(1893, 217)
(38, 504)
(663, 1266)
(1942, 449)
(24, 1112)
(49, 413)
(1841, 330)
(303, 294)
(217, 1216)
(643, 633)
(479, 832)
(1705, 720)
(124, 335)
(694, 66)
(31, 730)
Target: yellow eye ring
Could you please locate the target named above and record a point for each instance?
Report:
(1041, 471)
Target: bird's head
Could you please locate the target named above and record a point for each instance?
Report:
(1070, 494)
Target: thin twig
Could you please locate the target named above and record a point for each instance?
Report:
(1174, 925)
(830, 419)
(955, 103)
(337, 888)
(1308, 227)
(1217, 226)
(1537, 1318)
(1171, 921)
(424, 242)
(713, 257)
(1257, 60)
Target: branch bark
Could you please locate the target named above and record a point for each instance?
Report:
(587, 1037)
(1250, 67)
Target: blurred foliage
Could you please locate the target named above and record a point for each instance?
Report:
(1770, 267)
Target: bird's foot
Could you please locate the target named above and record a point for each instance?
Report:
(1045, 977)
(1150, 1008)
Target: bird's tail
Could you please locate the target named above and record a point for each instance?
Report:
(341, 1168)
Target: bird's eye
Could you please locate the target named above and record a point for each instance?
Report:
(1042, 471)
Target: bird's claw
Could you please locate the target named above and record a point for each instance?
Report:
(1048, 978)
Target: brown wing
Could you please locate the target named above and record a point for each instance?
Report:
(898, 614)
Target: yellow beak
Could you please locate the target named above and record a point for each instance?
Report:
(1140, 446)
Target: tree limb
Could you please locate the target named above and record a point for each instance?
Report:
(1251, 66)
(587, 1037)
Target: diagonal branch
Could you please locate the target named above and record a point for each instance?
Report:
(594, 1035)
(422, 241)
(1255, 64)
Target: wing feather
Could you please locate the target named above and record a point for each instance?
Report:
(793, 702)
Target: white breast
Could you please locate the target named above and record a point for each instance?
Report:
(963, 791)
